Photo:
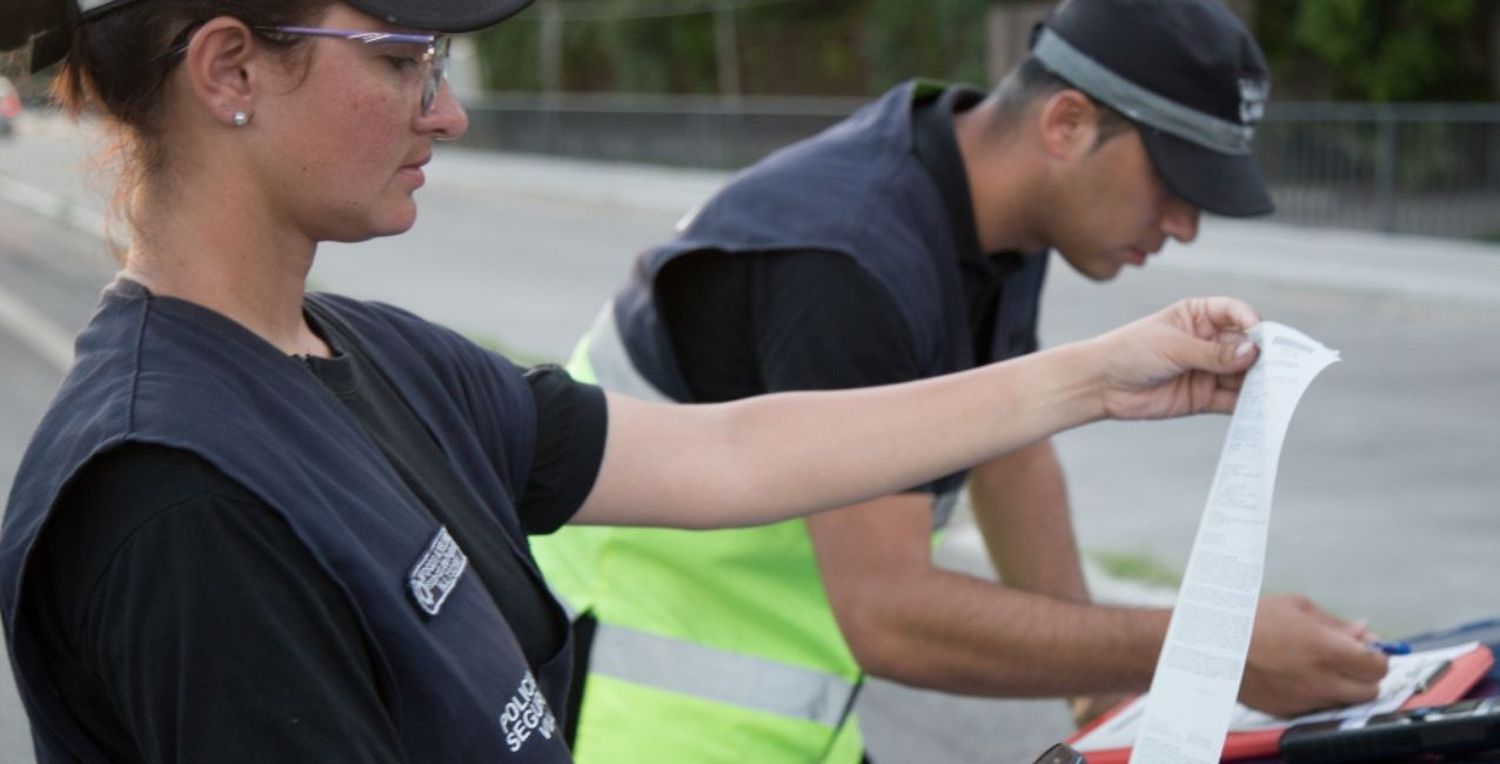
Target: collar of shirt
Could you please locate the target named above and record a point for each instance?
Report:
(937, 148)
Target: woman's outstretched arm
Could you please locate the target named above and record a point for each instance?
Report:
(776, 456)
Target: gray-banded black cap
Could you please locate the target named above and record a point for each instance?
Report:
(49, 23)
(1187, 73)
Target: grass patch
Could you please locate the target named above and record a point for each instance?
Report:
(1136, 566)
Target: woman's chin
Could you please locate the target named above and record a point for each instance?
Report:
(374, 230)
(396, 221)
(396, 228)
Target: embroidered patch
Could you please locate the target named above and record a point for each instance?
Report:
(437, 572)
(1253, 95)
(526, 713)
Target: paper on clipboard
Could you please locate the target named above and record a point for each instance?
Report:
(1406, 676)
(1401, 682)
(1197, 679)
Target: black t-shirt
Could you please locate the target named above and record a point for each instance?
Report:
(748, 324)
(158, 579)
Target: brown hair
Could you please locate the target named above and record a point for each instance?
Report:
(120, 61)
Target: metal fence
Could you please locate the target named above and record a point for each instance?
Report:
(691, 131)
(1411, 168)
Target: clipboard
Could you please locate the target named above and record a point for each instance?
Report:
(1462, 673)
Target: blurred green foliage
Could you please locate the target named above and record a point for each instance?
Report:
(808, 47)
(935, 38)
(1382, 50)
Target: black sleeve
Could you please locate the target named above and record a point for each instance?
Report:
(745, 325)
(769, 322)
(186, 622)
(824, 323)
(572, 423)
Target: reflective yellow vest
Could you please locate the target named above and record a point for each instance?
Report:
(711, 646)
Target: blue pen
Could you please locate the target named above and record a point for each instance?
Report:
(1392, 648)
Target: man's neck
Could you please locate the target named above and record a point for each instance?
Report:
(1003, 181)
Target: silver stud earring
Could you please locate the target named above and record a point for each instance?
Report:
(240, 119)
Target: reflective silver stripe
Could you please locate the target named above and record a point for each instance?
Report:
(1139, 103)
(84, 6)
(611, 363)
(683, 667)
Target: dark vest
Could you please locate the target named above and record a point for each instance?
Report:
(859, 189)
(165, 371)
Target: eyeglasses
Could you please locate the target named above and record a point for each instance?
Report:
(434, 58)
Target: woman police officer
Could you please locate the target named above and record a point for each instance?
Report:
(259, 523)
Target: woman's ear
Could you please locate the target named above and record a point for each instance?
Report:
(219, 72)
(1069, 124)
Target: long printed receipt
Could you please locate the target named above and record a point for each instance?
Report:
(1198, 674)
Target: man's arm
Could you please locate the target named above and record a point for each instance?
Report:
(1020, 504)
(1299, 654)
(909, 621)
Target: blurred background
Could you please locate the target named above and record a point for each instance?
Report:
(595, 124)
(1383, 112)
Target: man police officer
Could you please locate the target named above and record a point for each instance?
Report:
(908, 241)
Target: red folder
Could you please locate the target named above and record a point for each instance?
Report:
(1465, 671)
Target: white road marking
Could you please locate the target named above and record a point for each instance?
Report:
(43, 335)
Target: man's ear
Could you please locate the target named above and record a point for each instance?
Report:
(218, 68)
(1069, 124)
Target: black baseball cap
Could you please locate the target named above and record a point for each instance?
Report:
(1187, 73)
(49, 23)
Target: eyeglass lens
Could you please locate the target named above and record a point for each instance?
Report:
(439, 67)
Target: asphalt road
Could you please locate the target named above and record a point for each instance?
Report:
(1387, 487)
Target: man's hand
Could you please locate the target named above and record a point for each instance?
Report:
(1186, 359)
(1303, 659)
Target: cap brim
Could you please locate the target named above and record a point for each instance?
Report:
(49, 48)
(1224, 184)
(441, 15)
(22, 22)
(50, 45)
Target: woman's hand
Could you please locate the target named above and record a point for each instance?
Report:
(1186, 359)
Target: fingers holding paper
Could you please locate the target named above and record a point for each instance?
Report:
(1186, 359)
(1304, 659)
